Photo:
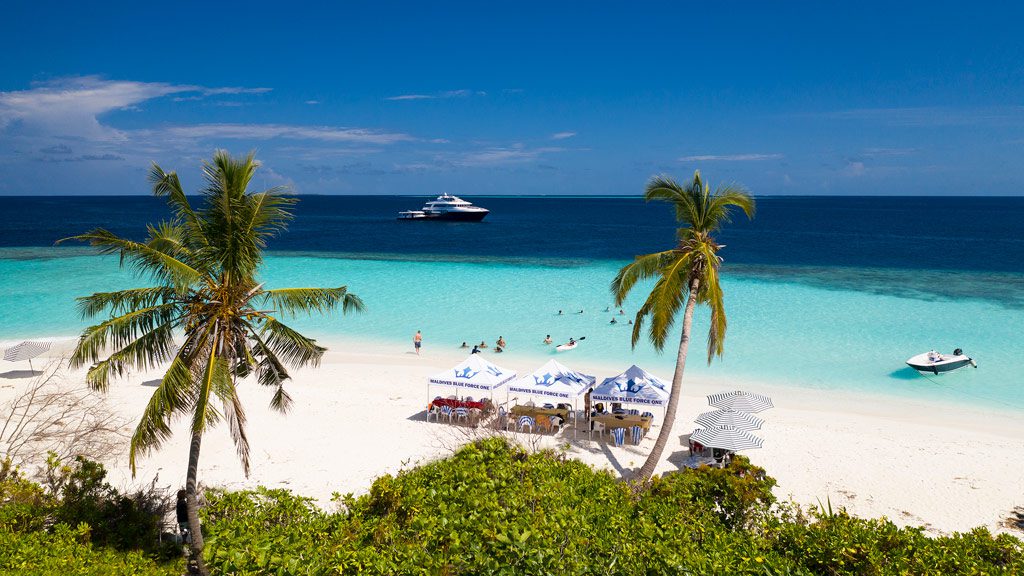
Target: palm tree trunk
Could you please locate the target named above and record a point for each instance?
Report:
(196, 564)
(647, 470)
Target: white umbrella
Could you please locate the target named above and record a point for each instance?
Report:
(726, 438)
(738, 420)
(740, 401)
(26, 350)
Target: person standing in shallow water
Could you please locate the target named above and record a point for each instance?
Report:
(417, 342)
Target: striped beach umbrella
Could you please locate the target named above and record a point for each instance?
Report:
(738, 420)
(740, 401)
(26, 350)
(726, 438)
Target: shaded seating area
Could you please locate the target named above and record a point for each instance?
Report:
(635, 386)
(727, 430)
(472, 374)
(560, 386)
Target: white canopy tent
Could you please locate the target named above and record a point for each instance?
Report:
(474, 373)
(555, 381)
(634, 386)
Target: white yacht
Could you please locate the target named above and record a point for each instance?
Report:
(446, 207)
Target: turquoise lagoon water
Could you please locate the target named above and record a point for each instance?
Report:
(825, 328)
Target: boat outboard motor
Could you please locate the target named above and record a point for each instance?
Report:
(958, 352)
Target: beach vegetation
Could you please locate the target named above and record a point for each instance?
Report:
(683, 276)
(203, 264)
(75, 522)
(495, 508)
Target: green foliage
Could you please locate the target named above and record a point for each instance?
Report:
(494, 509)
(113, 533)
(67, 551)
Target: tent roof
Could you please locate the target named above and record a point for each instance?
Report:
(474, 372)
(634, 386)
(554, 380)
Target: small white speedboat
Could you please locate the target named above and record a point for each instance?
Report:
(567, 346)
(937, 363)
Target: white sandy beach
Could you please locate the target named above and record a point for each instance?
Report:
(361, 414)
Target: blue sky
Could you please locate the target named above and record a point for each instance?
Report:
(516, 97)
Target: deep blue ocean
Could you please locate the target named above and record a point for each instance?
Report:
(827, 293)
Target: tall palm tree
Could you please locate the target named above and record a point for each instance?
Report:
(203, 264)
(687, 273)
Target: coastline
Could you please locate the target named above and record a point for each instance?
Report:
(360, 415)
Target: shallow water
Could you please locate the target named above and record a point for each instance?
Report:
(826, 328)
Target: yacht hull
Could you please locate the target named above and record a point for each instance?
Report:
(449, 217)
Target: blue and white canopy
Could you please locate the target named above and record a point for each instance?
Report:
(553, 380)
(474, 372)
(634, 386)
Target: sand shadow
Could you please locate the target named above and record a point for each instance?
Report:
(12, 374)
(152, 383)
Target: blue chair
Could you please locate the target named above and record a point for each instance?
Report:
(446, 411)
(549, 406)
(461, 413)
(637, 432)
(634, 412)
(619, 436)
(618, 411)
(647, 415)
(527, 421)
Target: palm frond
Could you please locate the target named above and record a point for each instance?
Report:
(123, 301)
(310, 300)
(149, 349)
(119, 331)
(272, 372)
(234, 414)
(641, 268)
(142, 259)
(173, 396)
(296, 349)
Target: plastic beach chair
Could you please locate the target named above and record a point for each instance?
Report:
(556, 423)
(633, 412)
(527, 422)
(596, 427)
(637, 433)
(446, 411)
(461, 413)
(619, 436)
(434, 411)
(647, 415)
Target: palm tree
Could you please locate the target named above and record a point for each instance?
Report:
(688, 272)
(203, 264)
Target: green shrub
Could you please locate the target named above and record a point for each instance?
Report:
(67, 551)
(493, 509)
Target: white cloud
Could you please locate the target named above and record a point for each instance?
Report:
(269, 131)
(854, 169)
(730, 157)
(562, 135)
(503, 155)
(439, 95)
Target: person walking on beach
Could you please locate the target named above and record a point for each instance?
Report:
(417, 342)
